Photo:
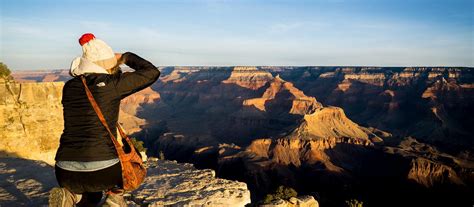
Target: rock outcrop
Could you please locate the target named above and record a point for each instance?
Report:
(249, 77)
(170, 183)
(430, 167)
(329, 122)
(167, 183)
(25, 182)
(308, 143)
(429, 173)
(319, 131)
(280, 89)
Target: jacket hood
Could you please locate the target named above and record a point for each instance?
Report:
(80, 66)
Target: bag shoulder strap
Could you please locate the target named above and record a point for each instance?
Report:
(102, 118)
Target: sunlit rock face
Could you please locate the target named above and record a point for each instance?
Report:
(281, 91)
(31, 119)
(249, 77)
(180, 184)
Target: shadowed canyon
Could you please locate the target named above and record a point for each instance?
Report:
(388, 136)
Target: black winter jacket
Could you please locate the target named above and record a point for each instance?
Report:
(84, 137)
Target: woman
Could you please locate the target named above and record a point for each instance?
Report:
(86, 161)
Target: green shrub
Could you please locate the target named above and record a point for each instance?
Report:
(138, 145)
(161, 155)
(268, 199)
(282, 192)
(354, 203)
(4, 71)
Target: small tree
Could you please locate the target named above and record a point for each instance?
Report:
(268, 199)
(4, 71)
(354, 203)
(161, 155)
(138, 145)
(282, 192)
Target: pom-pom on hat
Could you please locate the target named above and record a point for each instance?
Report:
(86, 38)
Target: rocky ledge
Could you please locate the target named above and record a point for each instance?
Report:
(180, 184)
(168, 183)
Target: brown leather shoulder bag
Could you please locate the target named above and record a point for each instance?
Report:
(133, 169)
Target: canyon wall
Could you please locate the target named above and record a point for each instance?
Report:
(31, 119)
(428, 103)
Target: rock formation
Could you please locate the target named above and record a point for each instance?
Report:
(309, 142)
(301, 104)
(430, 167)
(175, 184)
(249, 77)
(329, 122)
(167, 183)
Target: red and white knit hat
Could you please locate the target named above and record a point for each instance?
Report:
(97, 56)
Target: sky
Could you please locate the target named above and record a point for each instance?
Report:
(43, 34)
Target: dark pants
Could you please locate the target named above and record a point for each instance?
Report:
(90, 184)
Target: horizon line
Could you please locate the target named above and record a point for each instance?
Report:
(217, 66)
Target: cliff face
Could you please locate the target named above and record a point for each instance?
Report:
(429, 173)
(31, 119)
(130, 106)
(430, 167)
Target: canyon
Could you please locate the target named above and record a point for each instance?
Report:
(371, 133)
